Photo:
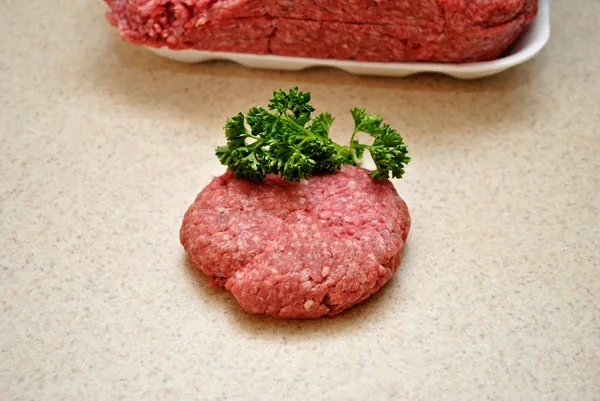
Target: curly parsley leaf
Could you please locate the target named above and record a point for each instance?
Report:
(293, 101)
(321, 124)
(367, 123)
(388, 150)
(284, 139)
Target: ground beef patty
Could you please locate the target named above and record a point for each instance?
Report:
(297, 250)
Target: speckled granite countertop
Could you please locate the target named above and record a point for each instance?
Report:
(103, 147)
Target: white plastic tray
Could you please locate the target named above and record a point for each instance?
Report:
(530, 43)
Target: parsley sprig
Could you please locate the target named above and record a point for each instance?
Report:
(285, 140)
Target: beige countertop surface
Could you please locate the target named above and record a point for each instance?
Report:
(104, 145)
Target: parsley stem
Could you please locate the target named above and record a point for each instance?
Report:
(308, 135)
(298, 126)
(353, 148)
(353, 135)
(306, 138)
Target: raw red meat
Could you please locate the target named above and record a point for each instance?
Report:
(374, 30)
(298, 250)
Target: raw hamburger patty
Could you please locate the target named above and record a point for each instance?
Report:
(297, 250)
(374, 30)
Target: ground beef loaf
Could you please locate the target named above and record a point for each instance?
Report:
(373, 30)
(297, 250)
